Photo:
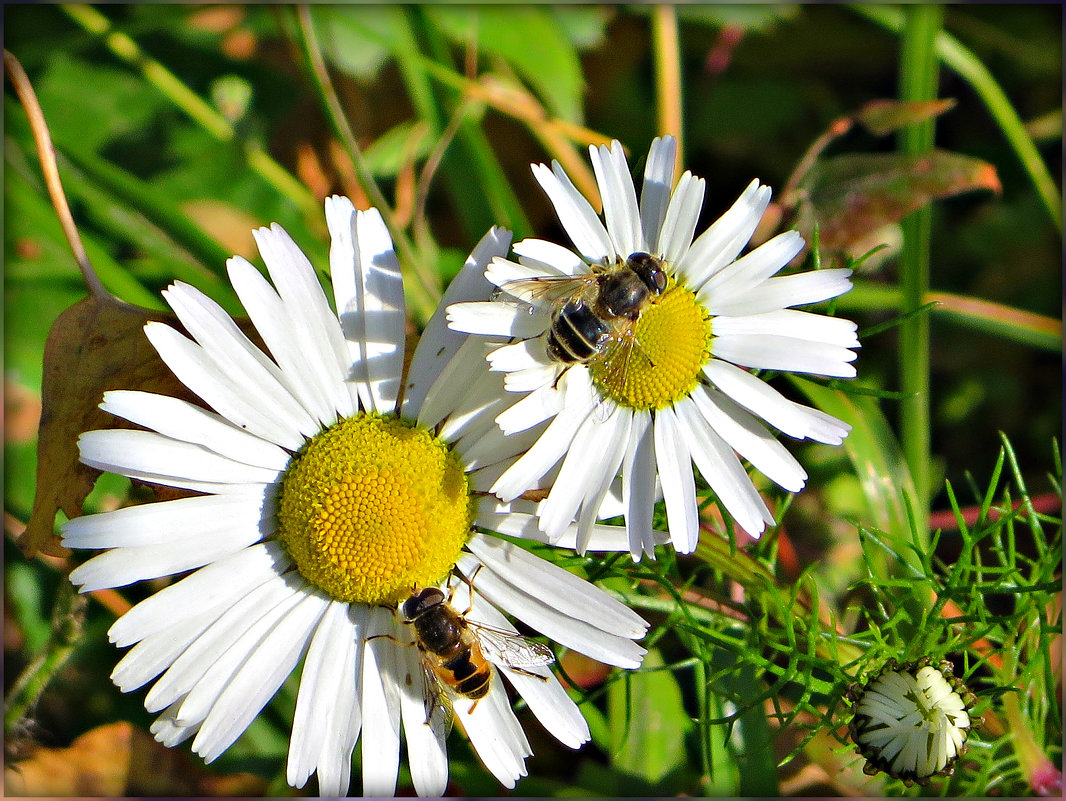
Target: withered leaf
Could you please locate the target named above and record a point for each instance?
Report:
(850, 196)
(882, 117)
(96, 345)
(119, 760)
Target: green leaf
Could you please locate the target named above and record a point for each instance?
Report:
(388, 154)
(850, 196)
(530, 40)
(653, 744)
(876, 457)
(750, 740)
(351, 37)
(94, 105)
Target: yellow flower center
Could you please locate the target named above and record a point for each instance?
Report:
(374, 506)
(659, 362)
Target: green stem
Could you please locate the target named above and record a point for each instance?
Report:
(918, 82)
(192, 104)
(1013, 325)
(968, 67)
(420, 288)
(67, 616)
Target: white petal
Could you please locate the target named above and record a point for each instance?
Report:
(196, 370)
(473, 419)
(542, 692)
(551, 446)
(221, 583)
(454, 380)
(769, 352)
(744, 434)
(261, 673)
(782, 292)
(673, 462)
(719, 245)
(181, 420)
(532, 409)
(566, 593)
(760, 398)
(166, 521)
(283, 336)
(495, 733)
(792, 323)
(495, 318)
(619, 198)
(681, 218)
(533, 378)
(575, 213)
(327, 718)
(523, 355)
(166, 730)
(543, 616)
(426, 752)
(655, 192)
(617, 438)
(381, 308)
(582, 472)
(121, 566)
(154, 654)
(347, 289)
(603, 538)
(438, 342)
(723, 472)
(750, 272)
(547, 258)
(381, 706)
(258, 608)
(145, 453)
(638, 486)
(315, 326)
(236, 356)
(492, 447)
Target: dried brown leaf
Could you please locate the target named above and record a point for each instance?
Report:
(882, 117)
(850, 196)
(96, 345)
(119, 760)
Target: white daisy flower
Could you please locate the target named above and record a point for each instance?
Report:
(635, 348)
(323, 501)
(912, 720)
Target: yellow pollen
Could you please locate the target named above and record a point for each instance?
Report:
(372, 507)
(659, 362)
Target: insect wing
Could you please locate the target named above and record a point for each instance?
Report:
(548, 288)
(437, 701)
(510, 650)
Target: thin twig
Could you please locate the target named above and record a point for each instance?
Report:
(46, 154)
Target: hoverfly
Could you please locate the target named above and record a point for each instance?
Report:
(457, 655)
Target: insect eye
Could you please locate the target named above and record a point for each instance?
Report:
(650, 270)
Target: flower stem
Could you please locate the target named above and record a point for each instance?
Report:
(668, 76)
(918, 82)
(67, 617)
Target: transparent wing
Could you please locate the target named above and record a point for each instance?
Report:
(623, 353)
(549, 288)
(510, 650)
(435, 696)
